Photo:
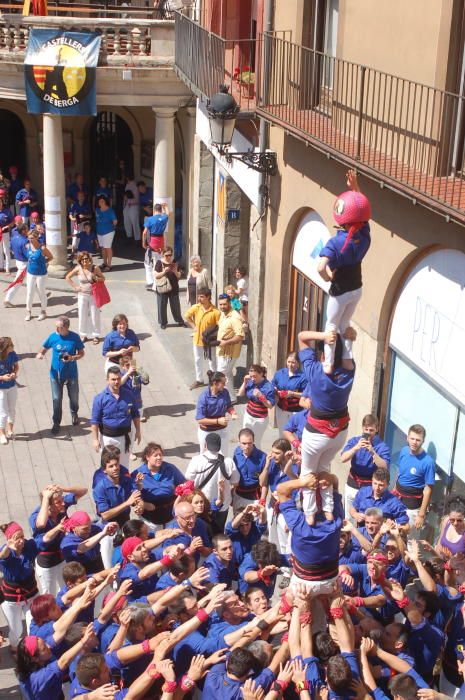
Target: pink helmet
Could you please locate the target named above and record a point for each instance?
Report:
(35, 215)
(351, 207)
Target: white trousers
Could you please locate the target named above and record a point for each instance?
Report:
(257, 425)
(131, 222)
(5, 251)
(277, 531)
(316, 587)
(89, 316)
(318, 451)
(50, 580)
(14, 613)
(8, 405)
(106, 550)
(349, 498)
(222, 432)
(200, 361)
(34, 282)
(118, 442)
(148, 265)
(239, 502)
(20, 266)
(226, 365)
(281, 418)
(338, 314)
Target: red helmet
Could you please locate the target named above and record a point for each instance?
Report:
(351, 207)
(3, 193)
(35, 215)
(18, 219)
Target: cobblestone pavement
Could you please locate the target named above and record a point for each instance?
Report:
(35, 457)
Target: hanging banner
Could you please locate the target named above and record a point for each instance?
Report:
(60, 72)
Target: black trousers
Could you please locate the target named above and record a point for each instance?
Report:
(218, 521)
(175, 306)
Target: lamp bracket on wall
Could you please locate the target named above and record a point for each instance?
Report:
(262, 162)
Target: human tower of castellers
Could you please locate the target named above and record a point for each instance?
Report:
(252, 575)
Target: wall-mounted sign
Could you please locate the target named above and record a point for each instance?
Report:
(234, 214)
(429, 321)
(311, 237)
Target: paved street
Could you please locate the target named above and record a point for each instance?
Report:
(35, 457)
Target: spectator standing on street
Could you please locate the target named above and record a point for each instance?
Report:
(19, 248)
(6, 224)
(202, 316)
(26, 201)
(167, 274)
(67, 348)
(153, 238)
(197, 279)
(113, 413)
(38, 256)
(119, 342)
(9, 367)
(242, 290)
(230, 338)
(88, 312)
(105, 224)
(131, 210)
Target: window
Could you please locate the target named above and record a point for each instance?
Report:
(307, 307)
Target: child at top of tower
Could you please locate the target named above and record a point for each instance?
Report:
(341, 263)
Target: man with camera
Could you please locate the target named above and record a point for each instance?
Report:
(366, 453)
(67, 347)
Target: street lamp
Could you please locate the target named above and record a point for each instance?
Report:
(222, 111)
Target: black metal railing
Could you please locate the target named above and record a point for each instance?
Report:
(406, 134)
(410, 133)
(205, 61)
(142, 9)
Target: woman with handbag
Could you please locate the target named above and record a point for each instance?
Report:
(87, 275)
(167, 274)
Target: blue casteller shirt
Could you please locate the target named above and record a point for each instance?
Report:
(220, 572)
(86, 242)
(353, 252)
(425, 642)
(104, 221)
(21, 195)
(7, 366)
(19, 247)
(115, 341)
(218, 684)
(211, 406)
(107, 494)
(415, 471)
(249, 564)
(19, 567)
(6, 218)
(282, 381)
(140, 587)
(199, 530)
(36, 262)
(362, 463)
(43, 684)
(265, 387)
(296, 423)
(114, 411)
(392, 507)
(158, 486)
(314, 544)
(330, 392)
(249, 469)
(71, 542)
(156, 224)
(70, 343)
(242, 544)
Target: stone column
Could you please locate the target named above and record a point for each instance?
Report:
(163, 169)
(54, 194)
(191, 193)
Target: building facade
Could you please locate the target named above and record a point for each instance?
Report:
(339, 84)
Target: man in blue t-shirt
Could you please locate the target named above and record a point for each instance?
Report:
(153, 238)
(67, 347)
(416, 477)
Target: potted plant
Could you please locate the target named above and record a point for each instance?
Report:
(246, 80)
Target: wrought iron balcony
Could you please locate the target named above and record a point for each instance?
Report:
(408, 136)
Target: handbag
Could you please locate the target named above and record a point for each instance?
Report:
(100, 294)
(163, 285)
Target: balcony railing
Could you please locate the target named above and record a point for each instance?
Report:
(204, 61)
(125, 40)
(409, 136)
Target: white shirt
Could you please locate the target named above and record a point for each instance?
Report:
(198, 469)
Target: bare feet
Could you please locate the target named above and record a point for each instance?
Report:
(329, 516)
(328, 369)
(310, 520)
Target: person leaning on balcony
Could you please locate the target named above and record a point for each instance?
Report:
(201, 317)
(230, 337)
